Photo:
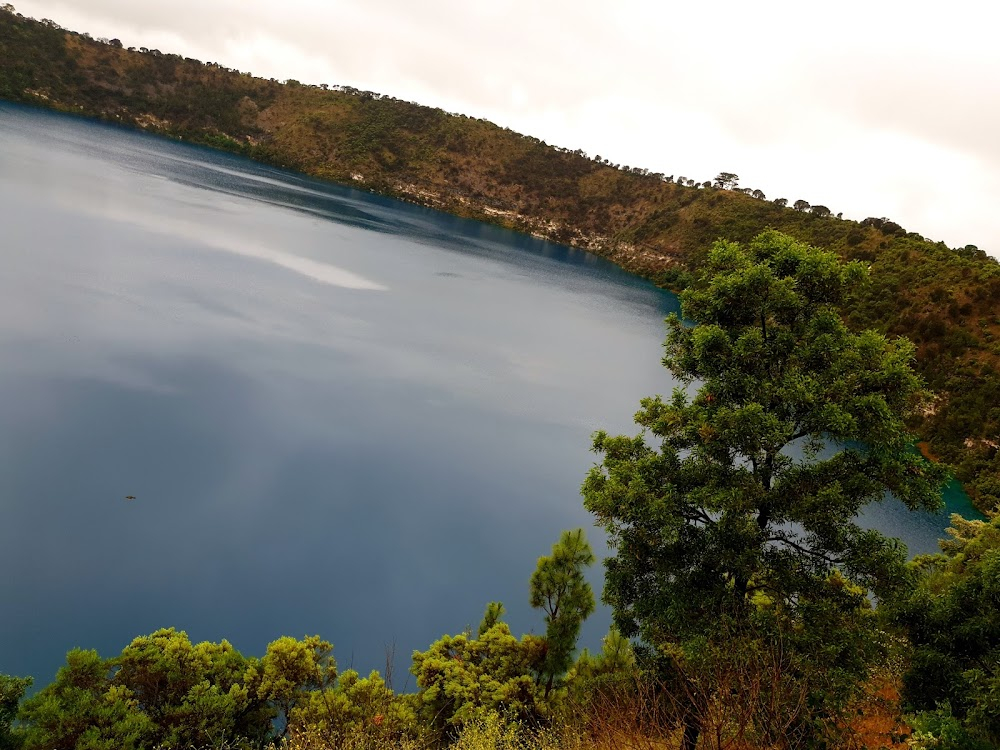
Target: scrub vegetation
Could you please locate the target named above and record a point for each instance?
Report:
(750, 610)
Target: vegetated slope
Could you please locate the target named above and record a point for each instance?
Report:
(946, 300)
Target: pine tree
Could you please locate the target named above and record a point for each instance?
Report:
(559, 588)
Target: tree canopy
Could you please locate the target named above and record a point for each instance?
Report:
(463, 680)
(953, 621)
(164, 691)
(732, 515)
(727, 180)
(11, 691)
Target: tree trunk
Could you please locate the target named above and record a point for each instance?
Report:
(692, 730)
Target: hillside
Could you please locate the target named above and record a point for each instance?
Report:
(945, 299)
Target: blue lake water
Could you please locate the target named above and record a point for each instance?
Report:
(338, 413)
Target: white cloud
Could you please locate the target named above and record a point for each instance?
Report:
(871, 108)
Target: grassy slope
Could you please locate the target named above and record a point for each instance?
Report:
(945, 300)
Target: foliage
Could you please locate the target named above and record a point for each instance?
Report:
(164, 691)
(81, 709)
(953, 620)
(731, 532)
(596, 682)
(493, 732)
(461, 679)
(941, 730)
(726, 181)
(560, 590)
(290, 672)
(615, 659)
(11, 691)
(353, 707)
(493, 614)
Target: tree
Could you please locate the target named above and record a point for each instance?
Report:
(800, 205)
(820, 210)
(11, 691)
(165, 692)
(494, 613)
(759, 195)
(614, 664)
(356, 712)
(970, 251)
(164, 672)
(560, 590)
(731, 530)
(953, 620)
(162, 691)
(81, 708)
(291, 670)
(726, 180)
(781, 202)
(884, 225)
(461, 679)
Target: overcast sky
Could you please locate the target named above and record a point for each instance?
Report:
(871, 108)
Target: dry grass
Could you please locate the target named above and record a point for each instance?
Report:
(633, 717)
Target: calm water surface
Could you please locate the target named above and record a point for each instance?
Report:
(339, 414)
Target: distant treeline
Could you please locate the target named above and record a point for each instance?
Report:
(945, 299)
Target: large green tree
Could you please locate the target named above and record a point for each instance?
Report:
(732, 515)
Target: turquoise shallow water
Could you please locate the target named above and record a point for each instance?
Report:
(338, 414)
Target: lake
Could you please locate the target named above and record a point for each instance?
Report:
(338, 413)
